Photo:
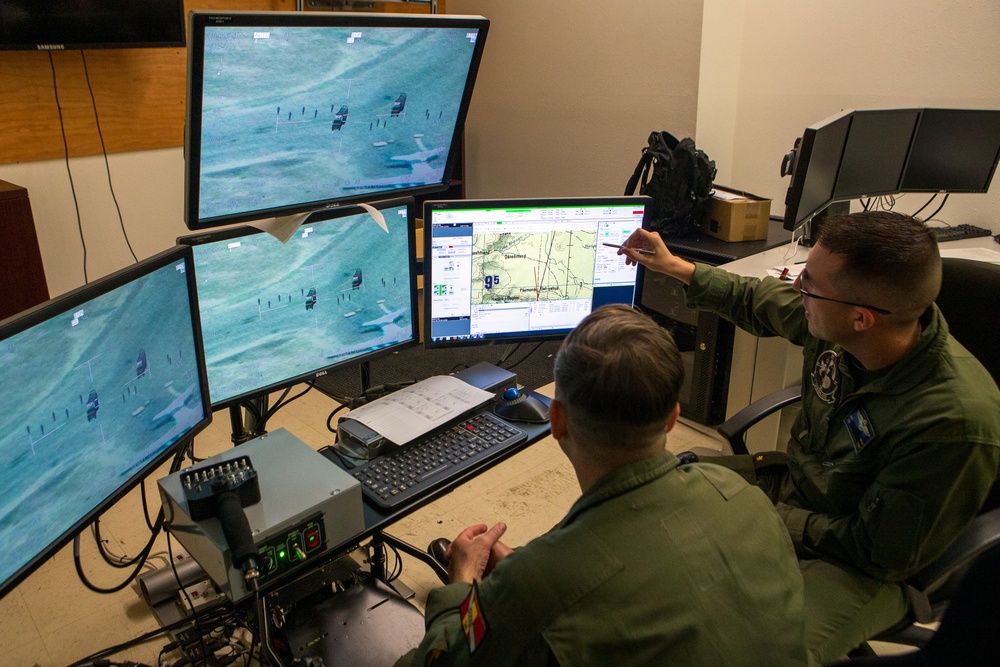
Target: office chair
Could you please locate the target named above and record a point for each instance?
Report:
(970, 617)
(970, 302)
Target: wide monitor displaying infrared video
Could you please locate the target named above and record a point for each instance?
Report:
(99, 387)
(342, 290)
(518, 270)
(289, 112)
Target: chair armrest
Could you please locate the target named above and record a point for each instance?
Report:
(982, 535)
(734, 428)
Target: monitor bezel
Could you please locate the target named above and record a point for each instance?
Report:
(67, 302)
(200, 20)
(325, 215)
(443, 205)
(119, 44)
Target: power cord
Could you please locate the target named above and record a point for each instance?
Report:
(72, 188)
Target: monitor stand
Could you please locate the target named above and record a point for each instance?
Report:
(813, 226)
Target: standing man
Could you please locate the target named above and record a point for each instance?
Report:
(656, 563)
(898, 440)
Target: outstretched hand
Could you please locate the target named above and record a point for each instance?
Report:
(475, 552)
(657, 257)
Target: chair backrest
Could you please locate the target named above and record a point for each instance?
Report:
(970, 302)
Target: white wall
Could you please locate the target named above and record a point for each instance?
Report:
(796, 62)
(149, 187)
(569, 91)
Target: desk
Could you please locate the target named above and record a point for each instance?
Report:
(764, 365)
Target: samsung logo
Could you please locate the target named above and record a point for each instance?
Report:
(262, 35)
(50, 47)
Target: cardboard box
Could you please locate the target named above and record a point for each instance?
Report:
(734, 215)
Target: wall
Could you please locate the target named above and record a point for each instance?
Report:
(796, 62)
(570, 90)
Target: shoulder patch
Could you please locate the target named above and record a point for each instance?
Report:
(473, 621)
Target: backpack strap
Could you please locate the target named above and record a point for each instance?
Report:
(641, 169)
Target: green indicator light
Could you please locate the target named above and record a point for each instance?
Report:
(281, 554)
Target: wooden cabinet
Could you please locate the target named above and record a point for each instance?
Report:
(22, 277)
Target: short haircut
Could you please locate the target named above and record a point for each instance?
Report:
(891, 260)
(619, 375)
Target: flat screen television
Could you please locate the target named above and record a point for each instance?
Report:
(53, 25)
(99, 387)
(342, 290)
(519, 270)
(289, 112)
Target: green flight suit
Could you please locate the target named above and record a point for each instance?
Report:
(885, 468)
(654, 565)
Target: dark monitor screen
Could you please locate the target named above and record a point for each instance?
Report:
(815, 169)
(341, 290)
(95, 24)
(954, 150)
(875, 154)
(98, 388)
(290, 112)
(517, 270)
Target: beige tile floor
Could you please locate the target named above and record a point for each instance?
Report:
(52, 620)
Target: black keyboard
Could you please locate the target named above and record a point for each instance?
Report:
(958, 232)
(413, 469)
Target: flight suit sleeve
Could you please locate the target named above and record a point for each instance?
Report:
(764, 308)
(444, 642)
(916, 506)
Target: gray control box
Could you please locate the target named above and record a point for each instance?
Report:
(303, 497)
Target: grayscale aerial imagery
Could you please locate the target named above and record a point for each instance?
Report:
(271, 311)
(294, 115)
(89, 398)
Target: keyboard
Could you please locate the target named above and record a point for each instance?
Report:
(410, 471)
(958, 232)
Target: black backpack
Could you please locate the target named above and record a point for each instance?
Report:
(679, 178)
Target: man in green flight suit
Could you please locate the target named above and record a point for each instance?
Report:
(898, 441)
(656, 563)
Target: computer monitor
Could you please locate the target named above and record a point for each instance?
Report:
(875, 153)
(55, 25)
(289, 112)
(98, 387)
(813, 164)
(341, 291)
(518, 270)
(954, 150)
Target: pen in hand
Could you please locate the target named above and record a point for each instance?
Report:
(641, 251)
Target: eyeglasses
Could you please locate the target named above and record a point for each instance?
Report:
(849, 303)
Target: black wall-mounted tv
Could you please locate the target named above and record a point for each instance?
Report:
(54, 25)
(293, 112)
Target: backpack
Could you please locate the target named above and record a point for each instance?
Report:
(679, 179)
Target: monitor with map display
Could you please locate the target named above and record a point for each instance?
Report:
(291, 112)
(98, 387)
(341, 291)
(517, 270)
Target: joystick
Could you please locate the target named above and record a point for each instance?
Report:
(516, 406)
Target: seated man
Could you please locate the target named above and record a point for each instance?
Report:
(656, 563)
(898, 440)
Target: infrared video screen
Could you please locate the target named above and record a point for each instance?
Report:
(291, 112)
(98, 387)
(341, 290)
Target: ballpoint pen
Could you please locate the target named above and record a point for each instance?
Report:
(641, 251)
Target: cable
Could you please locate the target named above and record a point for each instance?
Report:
(76, 204)
(194, 612)
(104, 150)
(518, 362)
(938, 209)
(933, 196)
